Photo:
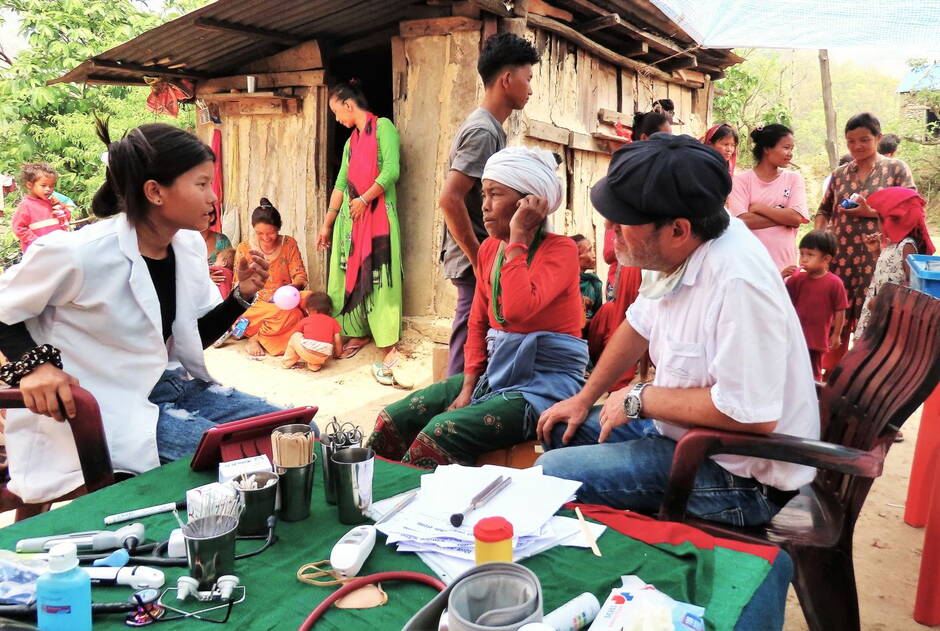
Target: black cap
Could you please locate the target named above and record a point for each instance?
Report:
(665, 176)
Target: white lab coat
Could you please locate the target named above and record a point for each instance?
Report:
(89, 294)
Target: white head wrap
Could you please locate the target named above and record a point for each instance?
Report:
(529, 171)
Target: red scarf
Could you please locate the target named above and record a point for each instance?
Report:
(902, 215)
(370, 253)
(708, 140)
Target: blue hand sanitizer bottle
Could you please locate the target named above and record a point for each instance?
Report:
(63, 595)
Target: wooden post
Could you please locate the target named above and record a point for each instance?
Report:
(829, 109)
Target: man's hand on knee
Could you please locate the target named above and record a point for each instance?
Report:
(572, 411)
(612, 414)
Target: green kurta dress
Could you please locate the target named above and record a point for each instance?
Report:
(381, 318)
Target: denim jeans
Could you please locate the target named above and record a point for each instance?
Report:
(631, 470)
(188, 407)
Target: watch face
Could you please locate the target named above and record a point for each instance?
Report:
(631, 405)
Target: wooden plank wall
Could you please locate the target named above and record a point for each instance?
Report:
(281, 157)
(436, 87)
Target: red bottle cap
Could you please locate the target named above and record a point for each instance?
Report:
(492, 529)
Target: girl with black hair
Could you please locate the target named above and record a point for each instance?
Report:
(851, 220)
(125, 307)
(365, 278)
(645, 125)
(770, 199)
(723, 138)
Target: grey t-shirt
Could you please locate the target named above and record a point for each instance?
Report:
(478, 138)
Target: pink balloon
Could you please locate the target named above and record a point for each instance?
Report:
(287, 297)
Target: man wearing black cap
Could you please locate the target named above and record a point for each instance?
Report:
(728, 348)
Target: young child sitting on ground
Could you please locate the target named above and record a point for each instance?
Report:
(903, 232)
(592, 290)
(318, 336)
(39, 213)
(818, 296)
(222, 271)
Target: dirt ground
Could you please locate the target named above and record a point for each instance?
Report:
(887, 551)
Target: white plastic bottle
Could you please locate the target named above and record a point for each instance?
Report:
(63, 595)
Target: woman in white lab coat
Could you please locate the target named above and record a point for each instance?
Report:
(124, 307)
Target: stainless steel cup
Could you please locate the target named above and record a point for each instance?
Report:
(296, 487)
(210, 548)
(327, 449)
(354, 467)
(251, 83)
(259, 504)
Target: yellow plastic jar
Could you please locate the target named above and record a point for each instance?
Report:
(493, 537)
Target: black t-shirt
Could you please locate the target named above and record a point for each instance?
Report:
(163, 274)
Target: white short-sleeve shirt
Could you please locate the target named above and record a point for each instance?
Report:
(730, 326)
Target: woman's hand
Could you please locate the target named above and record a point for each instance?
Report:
(570, 411)
(252, 274)
(357, 208)
(324, 238)
(44, 389)
(531, 212)
(462, 400)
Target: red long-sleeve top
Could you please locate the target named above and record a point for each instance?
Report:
(35, 217)
(610, 254)
(543, 296)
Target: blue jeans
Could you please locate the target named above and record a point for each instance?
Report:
(188, 407)
(631, 471)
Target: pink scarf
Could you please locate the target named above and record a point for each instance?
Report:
(370, 253)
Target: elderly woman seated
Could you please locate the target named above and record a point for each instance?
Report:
(524, 350)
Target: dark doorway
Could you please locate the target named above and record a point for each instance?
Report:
(373, 68)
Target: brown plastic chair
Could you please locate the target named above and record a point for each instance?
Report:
(878, 385)
(92, 448)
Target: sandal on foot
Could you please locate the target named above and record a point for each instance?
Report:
(352, 350)
(383, 374)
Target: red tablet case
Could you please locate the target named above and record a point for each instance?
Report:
(245, 438)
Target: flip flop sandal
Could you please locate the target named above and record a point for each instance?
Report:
(382, 374)
(355, 348)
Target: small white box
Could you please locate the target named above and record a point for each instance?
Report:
(245, 466)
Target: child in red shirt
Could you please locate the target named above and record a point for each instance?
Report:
(818, 296)
(318, 335)
(39, 212)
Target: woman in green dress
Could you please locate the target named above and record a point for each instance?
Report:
(365, 277)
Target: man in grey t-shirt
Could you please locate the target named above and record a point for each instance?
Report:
(505, 66)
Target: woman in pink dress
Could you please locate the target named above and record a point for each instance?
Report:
(770, 199)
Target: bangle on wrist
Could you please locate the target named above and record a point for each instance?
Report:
(12, 372)
(244, 302)
(332, 210)
(522, 246)
(363, 200)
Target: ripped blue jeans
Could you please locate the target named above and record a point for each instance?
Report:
(188, 407)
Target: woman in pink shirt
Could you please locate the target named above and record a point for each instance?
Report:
(770, 199)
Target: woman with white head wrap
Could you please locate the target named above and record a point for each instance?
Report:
(524, 350)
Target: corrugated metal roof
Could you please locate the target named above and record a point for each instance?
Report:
(185, 49)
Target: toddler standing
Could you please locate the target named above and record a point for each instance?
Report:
(318, 336)
(39, 213)
(818, 296)
(903, 232)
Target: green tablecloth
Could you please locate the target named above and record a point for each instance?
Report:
(723, 581)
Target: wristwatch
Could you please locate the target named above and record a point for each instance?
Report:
(236, 292)
(633, 404)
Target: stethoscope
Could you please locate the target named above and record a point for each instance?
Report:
(155, 554)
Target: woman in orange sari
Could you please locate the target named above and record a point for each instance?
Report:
(268, 326)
